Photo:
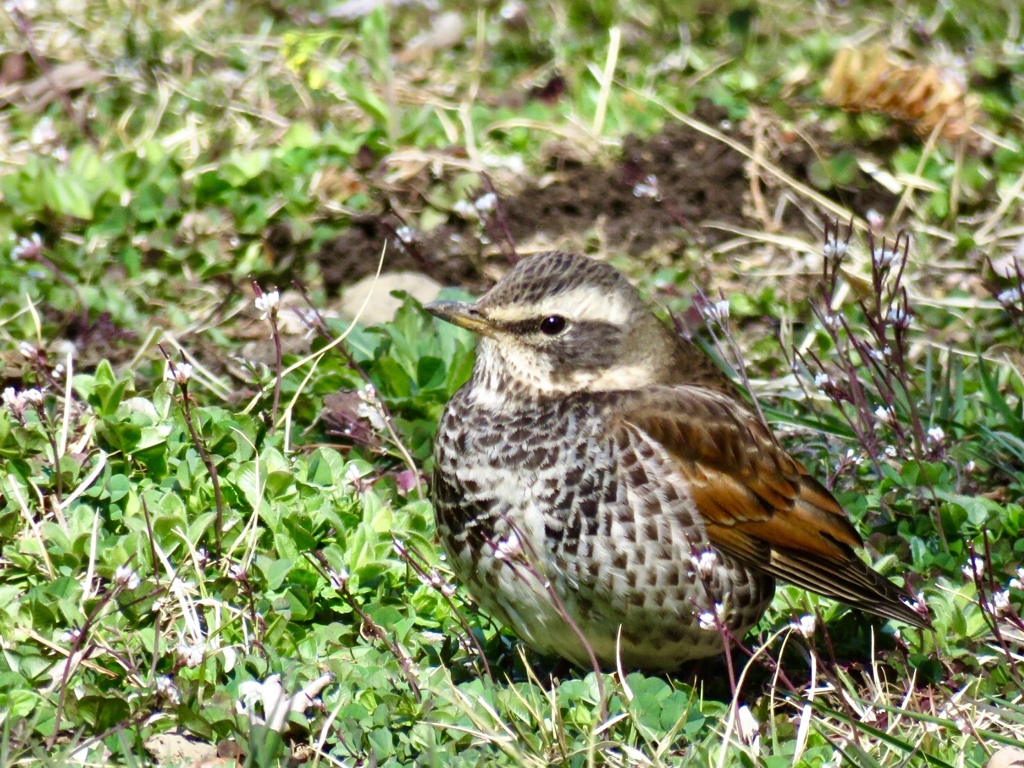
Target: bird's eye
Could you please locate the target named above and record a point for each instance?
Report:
(552, 326)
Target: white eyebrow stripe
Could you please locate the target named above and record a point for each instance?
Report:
(583, 304)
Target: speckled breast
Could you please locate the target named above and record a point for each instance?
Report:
(567, 530)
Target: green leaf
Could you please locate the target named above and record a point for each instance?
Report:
(103, 712)
(243, 167)
(65, 195)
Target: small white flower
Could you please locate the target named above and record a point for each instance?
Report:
(17, 402)
(1008, 297)
(486, 203)
(405, 234)
(166, 689)
(464, 209)
(806, 626)
(834, 248)
(126, 578)
(179, 373)
(822, 380)
(831, 321)
(875, 220)
(886, 257)
(27, 350)
(900, 318)
(709, 620)
(705, 563)
(891, 452)
(340, 577)
(936, 434)
(27, 245)
(190, 655)
(718, 312)
(33, 396)
(647, 188)
(237, 573)
(854, 456)
(71, 636)
(1000, 604)
(508, 548)
(268, 304)
(961, 725)
(161, 604)
(43, 133)
(310, 320)
(431, 579)
(1018, 582)
(884, 415)
(974, 569)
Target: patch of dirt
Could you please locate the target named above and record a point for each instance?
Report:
(661, 191)
(448, 254)
(661, 188)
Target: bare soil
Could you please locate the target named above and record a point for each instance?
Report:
(660, 191)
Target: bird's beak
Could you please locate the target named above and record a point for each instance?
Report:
(463, 314)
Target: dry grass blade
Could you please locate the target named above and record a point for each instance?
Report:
(834, 208)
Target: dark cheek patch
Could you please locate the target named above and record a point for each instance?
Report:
(587, 346)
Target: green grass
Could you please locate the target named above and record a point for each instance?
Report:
(167, 545)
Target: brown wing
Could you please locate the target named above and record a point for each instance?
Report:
(758, 503)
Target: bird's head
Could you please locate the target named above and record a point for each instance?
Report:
(559, 323)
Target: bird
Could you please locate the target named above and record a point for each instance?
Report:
(603, 489)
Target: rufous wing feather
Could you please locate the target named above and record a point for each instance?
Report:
(758, 503)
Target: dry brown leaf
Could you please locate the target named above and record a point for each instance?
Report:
(926, 97)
